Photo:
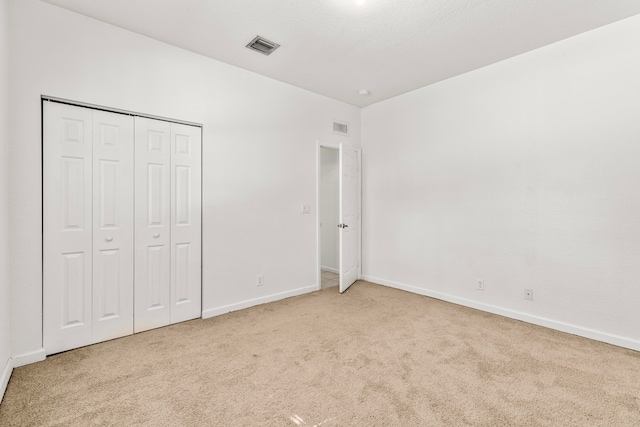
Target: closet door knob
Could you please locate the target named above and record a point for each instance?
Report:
(156, 235)
(109, 239)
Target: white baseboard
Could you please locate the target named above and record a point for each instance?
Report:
(4, 377)
(217, 311)
(617, 340)
(331, 269)
(29, 358)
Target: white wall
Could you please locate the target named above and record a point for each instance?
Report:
(329, 209)
(525, 174)
(5, 362)
(259, 154)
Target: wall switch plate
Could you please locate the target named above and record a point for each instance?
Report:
(528, 294)
(306, 208)
(480, 285)
(259, 280)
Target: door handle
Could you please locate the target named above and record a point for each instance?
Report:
(343, 226)
(156, 235)
(109, 239)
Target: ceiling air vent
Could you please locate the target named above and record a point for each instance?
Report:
(262, 45)
(341, 128)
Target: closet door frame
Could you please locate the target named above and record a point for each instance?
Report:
(45, 98)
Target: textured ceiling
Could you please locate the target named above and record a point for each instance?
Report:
(337, 47)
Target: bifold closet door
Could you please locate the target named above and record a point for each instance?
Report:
(168, 218)
(87, 226)
(119, 255)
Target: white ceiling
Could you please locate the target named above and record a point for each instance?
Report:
(336, 47)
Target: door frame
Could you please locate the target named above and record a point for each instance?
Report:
(335, 146)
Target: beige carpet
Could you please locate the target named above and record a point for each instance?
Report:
(371, 357)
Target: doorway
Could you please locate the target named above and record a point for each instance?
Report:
(329, 217)
(339, 225)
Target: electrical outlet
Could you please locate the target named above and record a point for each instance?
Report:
(259, 281)
(305, 208)
(528, 294)
(480, 285)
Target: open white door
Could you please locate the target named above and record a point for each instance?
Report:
(349, 216)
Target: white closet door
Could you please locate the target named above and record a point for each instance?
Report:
(152, 224)
(113, 225)
(67, 227)
(185, 223)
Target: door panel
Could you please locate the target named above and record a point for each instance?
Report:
(182, 195)
(108, 192)
(156, 197)
(107, 292)
(349, 164)
(152, 224)
(182, 273)
(67, 227)
(112, 225)
(73, 289)
(156, 272)
(73, 192)
(186, 281)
